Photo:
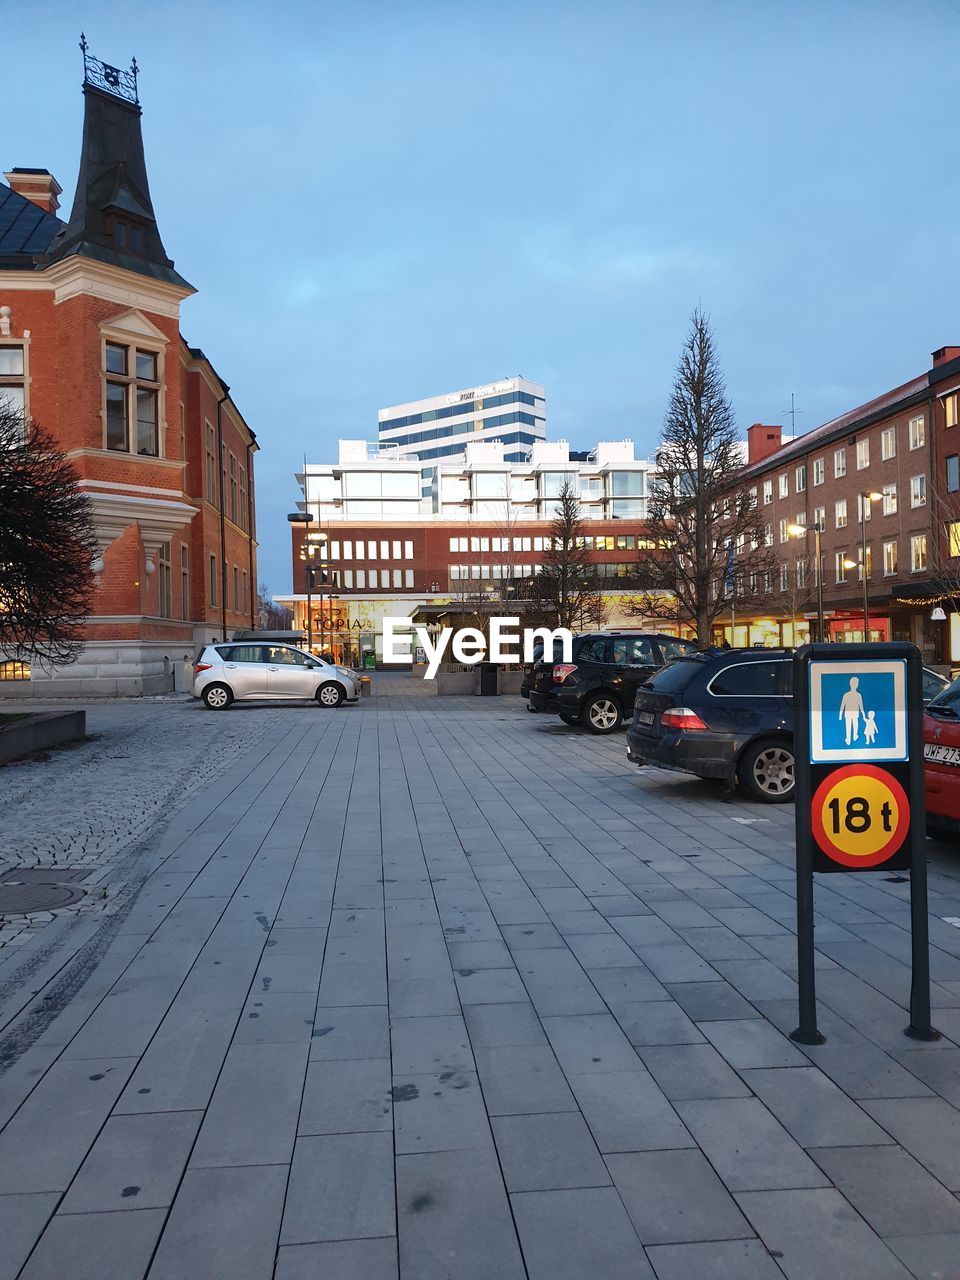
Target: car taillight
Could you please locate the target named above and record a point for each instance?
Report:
(562, 670)
(682, 718)
(201, 666)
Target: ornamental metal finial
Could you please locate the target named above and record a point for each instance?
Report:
(122, 84)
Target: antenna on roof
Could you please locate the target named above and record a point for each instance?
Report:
(793, 411)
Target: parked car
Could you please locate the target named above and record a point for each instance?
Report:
(941, 761)
(597, 687)
(237, 672)
(727, 714)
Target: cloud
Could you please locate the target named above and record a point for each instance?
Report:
(605, 266)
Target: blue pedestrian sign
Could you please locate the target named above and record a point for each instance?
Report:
(858, 710)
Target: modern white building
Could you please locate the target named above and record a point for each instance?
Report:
(487, 484)
(512, 411)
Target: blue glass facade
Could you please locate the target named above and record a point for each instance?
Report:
(515, 437)
(465, 428)
(460, 410)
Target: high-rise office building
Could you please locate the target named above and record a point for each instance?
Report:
(512, 411)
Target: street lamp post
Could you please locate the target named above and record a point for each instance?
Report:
(314, 542)
(865, 500)
(800, 531)
(306, 519)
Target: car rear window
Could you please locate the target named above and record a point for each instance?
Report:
(677, 676)
(554, 654)
(593, 649)
(635, 651)
(671, 648)
(750, 679)
(241, 652)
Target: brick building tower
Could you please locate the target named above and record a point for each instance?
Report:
(90, 347)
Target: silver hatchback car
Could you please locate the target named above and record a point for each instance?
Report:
(249, 669)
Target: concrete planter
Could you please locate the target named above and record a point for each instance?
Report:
(451, 683)
(37, 732)
(510, 681)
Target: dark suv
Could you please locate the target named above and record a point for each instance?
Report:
(597, 687)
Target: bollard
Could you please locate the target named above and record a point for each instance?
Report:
(364, 686)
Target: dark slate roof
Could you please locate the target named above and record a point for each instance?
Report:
(25, 230)
(113, 180)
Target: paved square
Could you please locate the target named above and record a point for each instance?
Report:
(430, 988)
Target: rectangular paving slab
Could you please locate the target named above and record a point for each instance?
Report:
(570, 1234)
(748, 1147)
(441, 1197)
(341, 1187)
(675, 1197)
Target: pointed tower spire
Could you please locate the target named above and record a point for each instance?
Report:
(112, 218)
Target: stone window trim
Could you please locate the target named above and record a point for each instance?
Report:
(134, 339)
(20, 380)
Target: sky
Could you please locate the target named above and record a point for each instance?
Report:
(379, 200)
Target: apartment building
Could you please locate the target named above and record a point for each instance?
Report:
(882, 484)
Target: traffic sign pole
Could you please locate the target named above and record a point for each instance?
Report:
(807, 1031)
(920, 1027)
(858, 748)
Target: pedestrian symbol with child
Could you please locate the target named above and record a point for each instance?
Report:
(851, 709)
(858, 710)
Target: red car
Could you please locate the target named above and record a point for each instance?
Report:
(941, 761)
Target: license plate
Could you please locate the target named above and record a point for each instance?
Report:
(645, 717)
(941, 754)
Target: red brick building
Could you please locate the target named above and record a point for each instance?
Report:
(884, 477)
(393, 567)
(90, 347)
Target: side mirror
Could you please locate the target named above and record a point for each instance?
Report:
(311, 665)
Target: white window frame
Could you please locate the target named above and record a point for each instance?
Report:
(888, 444)
(840, 513)
(918, 491)
(917, 431)
(839, 463)
(819, 470)
(915, 541)
(890, 558)
(863, 453)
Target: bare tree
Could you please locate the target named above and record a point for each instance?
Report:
(793, 590)
(272, 616)
(565, 591)
(702, 532)
(47, 546)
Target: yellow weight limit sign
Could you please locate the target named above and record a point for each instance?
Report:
(860, 815)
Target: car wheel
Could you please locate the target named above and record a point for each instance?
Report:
(567, 718)
(217, 697)
(602, 714)
(330, 695)
(766, 771)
